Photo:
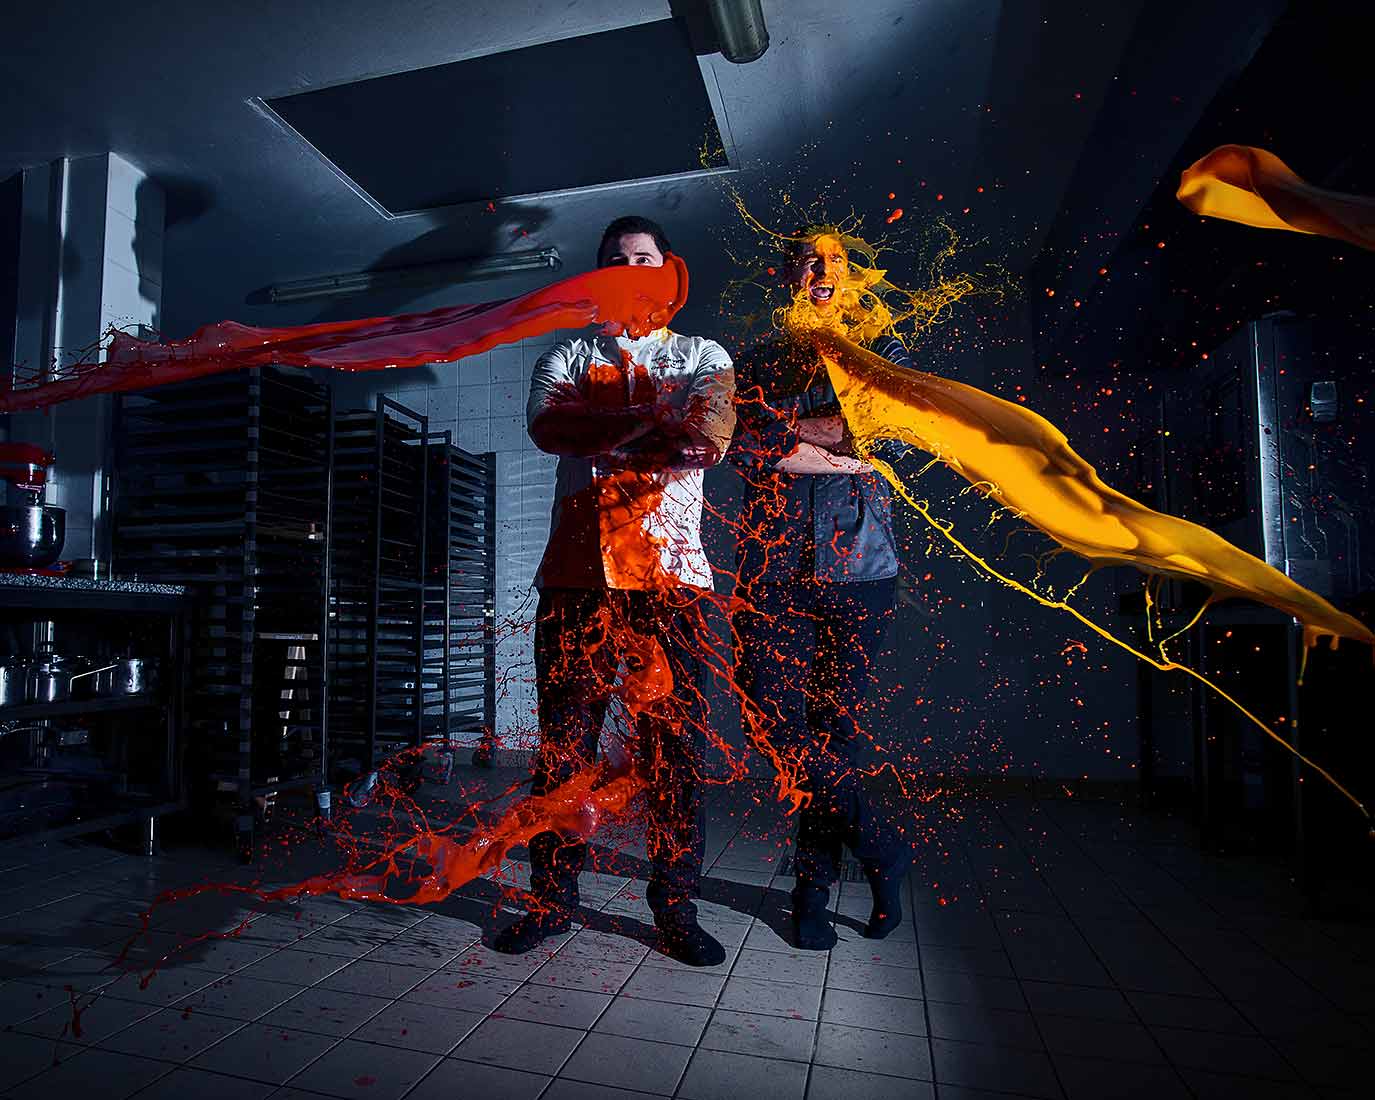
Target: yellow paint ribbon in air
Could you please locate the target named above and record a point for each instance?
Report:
(1026, 464)
(1239, 183)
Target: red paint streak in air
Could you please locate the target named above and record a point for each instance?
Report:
(894, 216)
(635, 300)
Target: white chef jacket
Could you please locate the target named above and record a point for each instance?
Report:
(681, 370)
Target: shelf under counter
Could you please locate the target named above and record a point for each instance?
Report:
(71, 707)
(102, 819)
(143, 614)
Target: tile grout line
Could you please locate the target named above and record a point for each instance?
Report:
(1146, 917)
(1136, 1014)
(1002, 939)
(921, 972)
(715, 1005)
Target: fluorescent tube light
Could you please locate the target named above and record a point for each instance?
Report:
(446, 273)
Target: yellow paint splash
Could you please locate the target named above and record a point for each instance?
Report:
(1240, 183)
(1024, 463)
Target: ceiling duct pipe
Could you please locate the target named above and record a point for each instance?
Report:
(739, 29)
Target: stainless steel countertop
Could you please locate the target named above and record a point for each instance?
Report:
(85, 584)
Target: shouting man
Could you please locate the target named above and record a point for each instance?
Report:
(818, 581)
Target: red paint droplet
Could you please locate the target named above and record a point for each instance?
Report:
(894, 216)
(773, 271)
(892, 194)
(364, 1081)
(940, 197)
(491, 208)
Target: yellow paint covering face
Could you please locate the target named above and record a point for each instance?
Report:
(1240, 183)
(1026, 464)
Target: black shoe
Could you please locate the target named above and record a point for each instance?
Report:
(528, 932)
(886, 883)
(812, 929)
(689, 943)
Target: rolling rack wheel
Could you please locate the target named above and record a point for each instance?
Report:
(484, 755)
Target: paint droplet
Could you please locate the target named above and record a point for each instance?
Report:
(894, 216)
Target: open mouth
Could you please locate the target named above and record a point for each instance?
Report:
(821, 292)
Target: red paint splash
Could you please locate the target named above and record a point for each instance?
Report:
(634, 300)
(894, 216)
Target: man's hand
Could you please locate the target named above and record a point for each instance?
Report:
(570, 425)
(669, 447)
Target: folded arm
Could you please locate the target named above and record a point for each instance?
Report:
(824, 447)
(642, 436)
(570, 425)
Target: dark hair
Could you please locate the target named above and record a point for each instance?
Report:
(633, 223)
(794, 245)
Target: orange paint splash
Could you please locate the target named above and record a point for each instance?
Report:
(894, 216)
(635, 300)
(1240, 183)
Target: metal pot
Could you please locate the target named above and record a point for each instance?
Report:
(14, 672)
(96, 677)
(132, 676)
(50, 681)
(31, 535)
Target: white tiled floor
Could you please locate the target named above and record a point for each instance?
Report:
(1052, 949)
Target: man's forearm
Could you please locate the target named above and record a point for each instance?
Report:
(823, 431)
(811, 459)
(585, 430)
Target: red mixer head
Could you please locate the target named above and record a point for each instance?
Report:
(24, 466)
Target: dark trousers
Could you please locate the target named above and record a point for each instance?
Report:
(582, 638)
(806, 653)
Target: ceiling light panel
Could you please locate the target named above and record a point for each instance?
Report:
(596, 110)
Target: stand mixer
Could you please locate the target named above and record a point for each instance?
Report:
(31, 532)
